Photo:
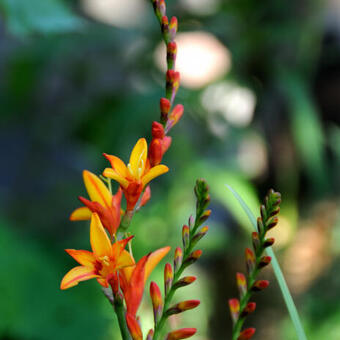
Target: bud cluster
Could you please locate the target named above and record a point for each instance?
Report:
(255, 261)
(191, 235)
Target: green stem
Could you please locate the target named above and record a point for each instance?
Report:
(120, 312)
(160, 324)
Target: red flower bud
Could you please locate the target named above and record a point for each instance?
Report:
(241, 283)
(246, 334)
(174, 116)
(260, 285)
(182, 333)
(185, 236)
(157, 301)
(134, 328)
(168, 277)
(178, 258)
(250, 260)
(183, 306)
(165, 108)
(234, 306)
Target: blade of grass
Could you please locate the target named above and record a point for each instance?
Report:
(278, 273)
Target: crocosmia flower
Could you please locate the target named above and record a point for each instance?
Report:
(102, 263)
(102, 202)
(136, 175)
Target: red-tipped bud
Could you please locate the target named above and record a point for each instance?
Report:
(183, 306)
(157, 301)
(157, 130)
(199, 235)
(165, 27)
(134, 328)
(193, 257)
(204, 216)
(165, 108)
(171, 53)
(241, 284)
(234, 306)
(172, 84)
(249, 308)
(168, 278)
(185, 236)
(162, 7)
(272, 223)
(174, 116)
(150, 335)
(265, 260)
(178, 258)
(250, 260)
(246, 334)
(182, 333)
(256, 240)
(268, 242)
(146, 196)
(173, 27)
(260, 285)
(185, 281)
(155, 152)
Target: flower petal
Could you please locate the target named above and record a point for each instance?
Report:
(138, 156)
(84, 257)
(75, 275)
(81, 214)
(125, 260)
(100, 242)
(154, 172)
(117, 165)
(110, 173)
(119, 246)
(153, 259)
(96, 189)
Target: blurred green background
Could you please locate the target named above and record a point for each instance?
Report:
(261, 90)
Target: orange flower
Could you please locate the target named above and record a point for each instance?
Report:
(136, 175)
(106, 205)
(133, 278)
(104, 260)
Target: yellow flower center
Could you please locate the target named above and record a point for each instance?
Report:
(105, 260)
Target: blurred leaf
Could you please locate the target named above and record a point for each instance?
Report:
(38, 16)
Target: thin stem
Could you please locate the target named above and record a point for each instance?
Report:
(120, 312)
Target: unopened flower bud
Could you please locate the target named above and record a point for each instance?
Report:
(199, 235)
(185, 236)
(165, 27)
(165, 108)
(171, 53)
(183, 306)
(185, 281)
(246, 334)
(260, 285)
(256, 240)
(182, 333)
(178, 258)
(193, 257)
(173, 27)
(204, 217)
(241, 284)
(250, 260)
(172, 84)
(162, 7)
(146, 196)
(168, 278)
(272, 223)
(249, 308)
(157, 301)
(263, 212)
(191, 221)
(234, 307)
(174, 116)
(260, 226)
(155, 152)
(268, 242)
(265, 260)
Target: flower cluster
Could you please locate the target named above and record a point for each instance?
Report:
(255, 261)
(111, 260)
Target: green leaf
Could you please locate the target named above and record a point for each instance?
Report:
(24, 17)
(278, 273)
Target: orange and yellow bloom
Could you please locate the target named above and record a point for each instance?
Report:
(134, 177)
(106, 205)
(104, 260)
